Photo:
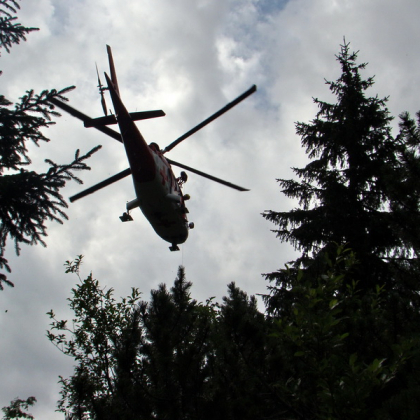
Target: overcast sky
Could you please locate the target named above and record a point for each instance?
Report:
(188, 58)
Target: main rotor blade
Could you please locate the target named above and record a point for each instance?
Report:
(211, 118)
(101, 185)
(213, 178)
(75, 113)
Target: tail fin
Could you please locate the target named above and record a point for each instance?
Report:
(112, 70)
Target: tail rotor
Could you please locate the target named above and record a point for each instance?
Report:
(101, 92)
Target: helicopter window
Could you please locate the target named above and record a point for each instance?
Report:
(154, 147)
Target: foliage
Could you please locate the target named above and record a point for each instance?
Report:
(330, 354)
(17, 409)
(348, 321)
(11, 32)
(98, 321)
(28, 198)
(170, 357)
(359, 182)
(240, 366)
(333, 372)
(404, 188)
(136, 359)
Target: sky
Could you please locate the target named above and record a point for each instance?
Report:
(188, 58)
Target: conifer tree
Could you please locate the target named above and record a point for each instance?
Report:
(27, 198)
(350, 192)
(175, 358)
(359, 193)
(136, 359)
(11, 32)
(240, 368)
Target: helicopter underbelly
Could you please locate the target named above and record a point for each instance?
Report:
(163, 210)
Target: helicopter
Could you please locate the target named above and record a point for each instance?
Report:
(158, 192)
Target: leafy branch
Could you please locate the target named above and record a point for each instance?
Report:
(11, 32)
(17, 409)
(28, 198)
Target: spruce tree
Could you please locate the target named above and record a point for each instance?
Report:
(350, 192)
(11, 32)
(358, 196)
(27, 198)
(239, 365)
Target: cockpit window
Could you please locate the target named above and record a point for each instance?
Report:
(154, 147)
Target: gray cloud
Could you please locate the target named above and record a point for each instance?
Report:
(188, 58)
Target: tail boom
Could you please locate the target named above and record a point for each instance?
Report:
(140, 157)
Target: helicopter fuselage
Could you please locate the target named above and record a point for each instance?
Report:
(162, 202)
(158, 192)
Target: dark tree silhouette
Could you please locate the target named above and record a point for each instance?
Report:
(136, 359)
(11, 32)
(359, 182)
(28, 199)
(18, 409)
(172, 357)
(358, 191)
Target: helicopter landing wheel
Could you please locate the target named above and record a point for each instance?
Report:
(126, 217)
